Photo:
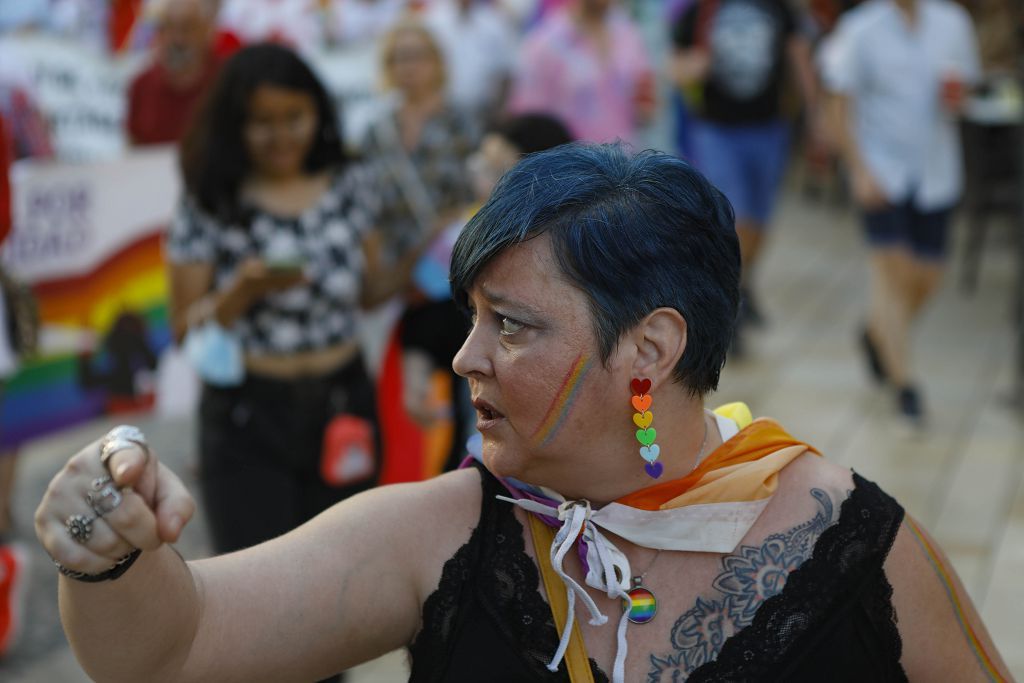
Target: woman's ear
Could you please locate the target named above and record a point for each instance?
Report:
(660, 339)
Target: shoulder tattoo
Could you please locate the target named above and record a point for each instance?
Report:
(749, 576)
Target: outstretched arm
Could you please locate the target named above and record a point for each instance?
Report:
(943, 637)
(342, 589)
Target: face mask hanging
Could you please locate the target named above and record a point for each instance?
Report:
(216, 354)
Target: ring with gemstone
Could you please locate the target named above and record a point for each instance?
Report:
(79, 527)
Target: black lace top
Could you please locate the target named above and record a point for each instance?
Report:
(833, 621)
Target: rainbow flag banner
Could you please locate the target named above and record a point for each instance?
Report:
(87, 238)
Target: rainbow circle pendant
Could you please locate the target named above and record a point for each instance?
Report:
(645, 605)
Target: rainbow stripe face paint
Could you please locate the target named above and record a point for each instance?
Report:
(562, 403)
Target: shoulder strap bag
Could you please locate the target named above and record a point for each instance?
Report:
(576, 660)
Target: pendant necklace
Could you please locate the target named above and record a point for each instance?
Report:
(642, 604)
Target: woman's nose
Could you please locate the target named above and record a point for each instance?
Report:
(471, 360)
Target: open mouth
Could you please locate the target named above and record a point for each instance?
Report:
(486, 412)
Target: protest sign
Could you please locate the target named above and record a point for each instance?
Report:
(87, 238)
(80, 91)
(83, 93)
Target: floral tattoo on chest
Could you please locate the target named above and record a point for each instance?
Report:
(749, 576)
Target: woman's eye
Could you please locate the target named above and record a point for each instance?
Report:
(510, 326)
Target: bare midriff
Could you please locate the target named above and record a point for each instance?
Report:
(304, 364)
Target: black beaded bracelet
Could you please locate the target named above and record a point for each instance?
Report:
(114, 572)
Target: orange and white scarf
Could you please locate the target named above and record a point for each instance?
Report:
(709, 510)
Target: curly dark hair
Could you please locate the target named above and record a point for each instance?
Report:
(214, 157)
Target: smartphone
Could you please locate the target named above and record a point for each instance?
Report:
(285, 267)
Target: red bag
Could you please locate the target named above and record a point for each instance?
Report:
(348, 455)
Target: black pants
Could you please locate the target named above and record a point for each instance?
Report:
(259, 452)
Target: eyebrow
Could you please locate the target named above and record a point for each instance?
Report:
(495, 298)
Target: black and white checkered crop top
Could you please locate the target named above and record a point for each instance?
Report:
(326, 239)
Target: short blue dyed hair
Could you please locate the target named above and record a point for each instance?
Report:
(634, 232)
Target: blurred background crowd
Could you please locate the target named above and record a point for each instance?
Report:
(243, 210)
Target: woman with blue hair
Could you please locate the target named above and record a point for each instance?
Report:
(608, 527)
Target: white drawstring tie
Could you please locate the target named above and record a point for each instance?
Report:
(608, 571)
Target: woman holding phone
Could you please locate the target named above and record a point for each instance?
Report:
(272, 254)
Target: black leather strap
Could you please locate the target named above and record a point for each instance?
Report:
(114, 572)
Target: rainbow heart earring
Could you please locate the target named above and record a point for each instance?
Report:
(645, 433)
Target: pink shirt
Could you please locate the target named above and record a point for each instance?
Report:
(561, 73)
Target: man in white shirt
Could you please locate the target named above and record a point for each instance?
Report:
(354, 22)
(900, 71)
(300, 24)
(480, 47)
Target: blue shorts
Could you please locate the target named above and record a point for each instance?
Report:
(746, 163)
(924, 233)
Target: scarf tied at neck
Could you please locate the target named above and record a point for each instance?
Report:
(709, 510)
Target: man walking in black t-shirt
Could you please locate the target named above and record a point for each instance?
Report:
(732, 56)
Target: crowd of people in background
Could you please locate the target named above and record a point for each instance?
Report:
(290, 232)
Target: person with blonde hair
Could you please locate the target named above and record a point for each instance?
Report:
(420, 141)
(419, 146)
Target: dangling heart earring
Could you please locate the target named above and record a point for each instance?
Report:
(645, 433)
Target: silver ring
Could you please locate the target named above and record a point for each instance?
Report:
(120, 438)
(104, 499)
(79, 528)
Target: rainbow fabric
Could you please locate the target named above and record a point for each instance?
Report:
(46, 394)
